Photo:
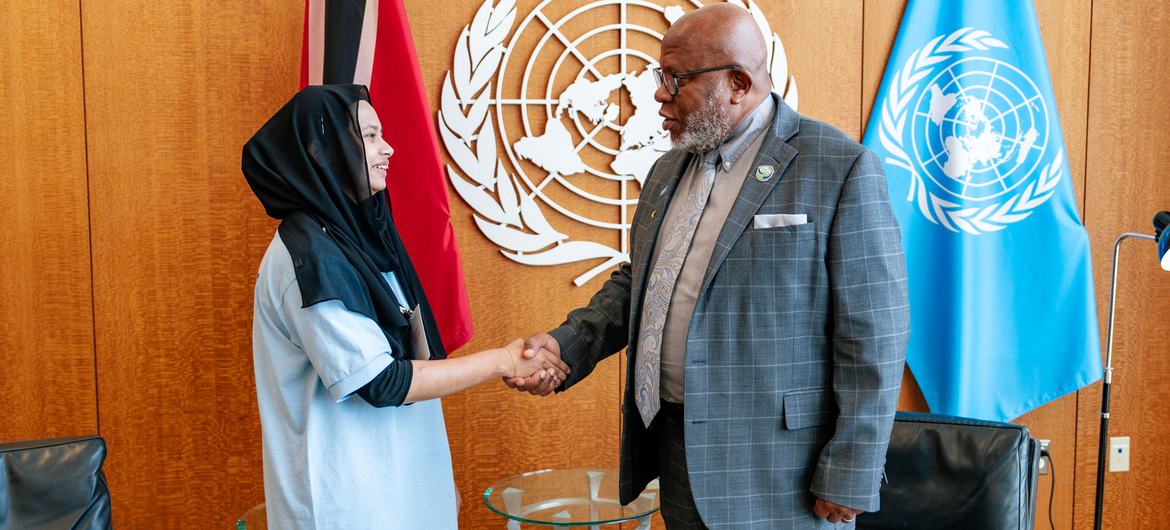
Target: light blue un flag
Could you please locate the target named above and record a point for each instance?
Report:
(1003, 317)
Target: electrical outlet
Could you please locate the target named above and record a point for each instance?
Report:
(1045, 456)
(1118, 454)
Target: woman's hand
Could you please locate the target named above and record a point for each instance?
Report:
(542, 383)
(543, 364)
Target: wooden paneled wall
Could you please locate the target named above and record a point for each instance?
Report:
(1126, 177)
(172, 92)
(46, 304)
(130, 243)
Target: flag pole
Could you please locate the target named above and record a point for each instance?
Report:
(1107, 381)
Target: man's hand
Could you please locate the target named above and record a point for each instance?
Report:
(542, 382)
(835, 513)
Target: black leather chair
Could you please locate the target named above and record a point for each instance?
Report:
(948, 473)
(54, 484)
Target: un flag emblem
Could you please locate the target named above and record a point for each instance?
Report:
(973, 132)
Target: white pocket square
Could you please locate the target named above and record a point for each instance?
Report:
(778, 220)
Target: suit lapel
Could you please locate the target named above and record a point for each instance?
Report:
(775, 152)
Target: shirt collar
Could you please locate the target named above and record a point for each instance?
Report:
(735, 145)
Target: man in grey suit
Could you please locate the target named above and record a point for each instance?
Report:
(764, 309)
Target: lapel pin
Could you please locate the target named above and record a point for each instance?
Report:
(764, 173)
(652, 213)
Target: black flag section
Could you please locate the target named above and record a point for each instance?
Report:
(343, 36)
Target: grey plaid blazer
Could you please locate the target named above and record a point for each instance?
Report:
(796, 347)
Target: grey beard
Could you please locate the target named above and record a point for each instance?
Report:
(706, 128)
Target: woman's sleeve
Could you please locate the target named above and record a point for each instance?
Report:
(389, 388)
(347, 349)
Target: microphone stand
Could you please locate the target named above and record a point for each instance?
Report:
(1107, 381)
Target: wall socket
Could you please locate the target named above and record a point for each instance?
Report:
(1118, 454)
(1044, 451)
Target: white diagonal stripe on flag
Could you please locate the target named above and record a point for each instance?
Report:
(316, 30)
(363, 70)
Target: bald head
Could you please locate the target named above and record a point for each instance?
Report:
(719, 58)
(721, 34)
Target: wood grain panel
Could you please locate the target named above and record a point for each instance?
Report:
(823, 39)
(882, 18)
(1128, 158)
(173, 90)
(1065, 28)
(46, 323)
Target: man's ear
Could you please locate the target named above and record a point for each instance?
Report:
(741, 85)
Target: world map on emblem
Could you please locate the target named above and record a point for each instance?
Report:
(980, 128)
(642, 138)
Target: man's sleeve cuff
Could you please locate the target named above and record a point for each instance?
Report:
(566, 338)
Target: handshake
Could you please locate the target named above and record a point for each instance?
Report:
(537, 367)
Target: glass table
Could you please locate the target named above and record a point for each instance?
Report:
(582, 497)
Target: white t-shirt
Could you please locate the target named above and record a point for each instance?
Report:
(331, 460)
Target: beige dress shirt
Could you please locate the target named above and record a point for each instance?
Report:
(736, 157)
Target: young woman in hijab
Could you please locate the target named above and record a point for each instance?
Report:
(339, 312)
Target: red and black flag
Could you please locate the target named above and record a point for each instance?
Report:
(368, 42)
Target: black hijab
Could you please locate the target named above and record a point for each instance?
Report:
(304, 165)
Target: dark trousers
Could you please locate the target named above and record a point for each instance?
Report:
(678, 504)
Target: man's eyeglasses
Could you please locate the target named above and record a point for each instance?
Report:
(670, 79)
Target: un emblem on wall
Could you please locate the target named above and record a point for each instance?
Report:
(973, 132)
(556, 116)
